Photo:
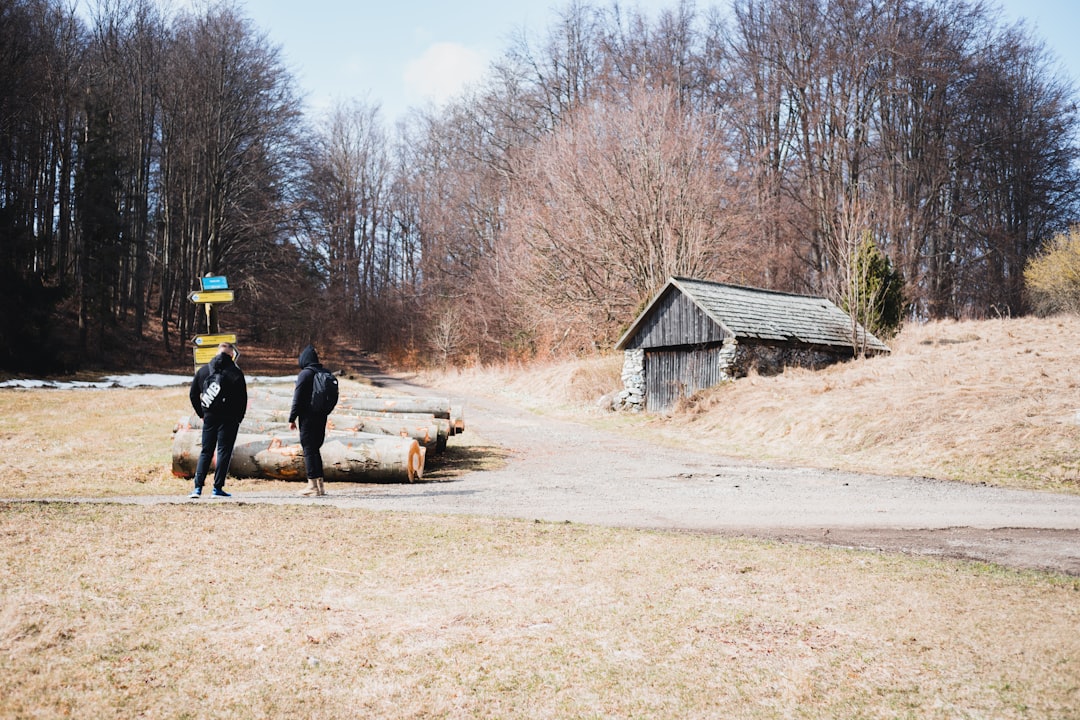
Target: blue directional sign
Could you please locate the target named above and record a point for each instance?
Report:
(214, 282)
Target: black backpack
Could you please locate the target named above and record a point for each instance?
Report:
(212, 398)
(324, 392)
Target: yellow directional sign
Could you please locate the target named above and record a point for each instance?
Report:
(202, 341)
(204, 355)
(211, 296)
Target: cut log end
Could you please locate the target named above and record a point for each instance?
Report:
(417, 457)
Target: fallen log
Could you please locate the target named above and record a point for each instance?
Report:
(284, 393)
(262, 412)
(425, 433)
(443, 427)
(441, 408)
(353, 458)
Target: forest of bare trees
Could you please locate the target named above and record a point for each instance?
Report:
(759, 142)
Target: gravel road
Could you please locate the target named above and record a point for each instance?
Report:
(559, 471)
(564, 471)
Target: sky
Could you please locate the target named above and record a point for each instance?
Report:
(405, 53)
(398, 53)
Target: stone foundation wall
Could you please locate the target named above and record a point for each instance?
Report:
(632, 396)
(729, 355)
(772, 359)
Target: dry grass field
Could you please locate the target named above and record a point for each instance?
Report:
(238, 610)
(245, 611)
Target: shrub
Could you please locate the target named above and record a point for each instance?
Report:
(1053, 276)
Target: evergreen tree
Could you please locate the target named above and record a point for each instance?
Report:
(876, 294)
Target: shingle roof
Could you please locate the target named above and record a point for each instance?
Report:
(767, 315)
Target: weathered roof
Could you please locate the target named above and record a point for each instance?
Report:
(765, 315)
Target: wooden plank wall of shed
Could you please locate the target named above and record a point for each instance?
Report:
(672, 374)
(675, 320)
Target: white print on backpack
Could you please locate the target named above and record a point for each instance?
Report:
(211, 392)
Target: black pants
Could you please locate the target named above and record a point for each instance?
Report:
(312, 435)
(217, 434)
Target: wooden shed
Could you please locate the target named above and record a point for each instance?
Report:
(695, 334)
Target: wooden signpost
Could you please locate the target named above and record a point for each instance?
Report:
(214, 291)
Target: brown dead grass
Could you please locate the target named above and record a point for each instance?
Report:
(61, 443)
(250, 611)
(100, 443)
(568, 387)
(991, 401)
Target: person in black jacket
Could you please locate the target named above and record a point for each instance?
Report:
(221, 420)
(312, 424)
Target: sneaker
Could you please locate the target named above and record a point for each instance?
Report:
(196, 494)
(221, 493)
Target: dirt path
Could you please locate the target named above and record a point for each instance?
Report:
(559, 471)
(563, 471)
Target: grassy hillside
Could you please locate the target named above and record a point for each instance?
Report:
(993, 401)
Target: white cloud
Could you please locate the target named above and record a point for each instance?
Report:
(442, 72)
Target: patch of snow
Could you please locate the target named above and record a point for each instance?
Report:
(151, 380)
(34, 384)
(129, 381)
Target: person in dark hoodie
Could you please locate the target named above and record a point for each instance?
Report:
(312, 424)
(222, 408)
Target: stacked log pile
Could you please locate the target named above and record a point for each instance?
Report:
(369, 438)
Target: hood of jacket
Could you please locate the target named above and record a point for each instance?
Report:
(219, 362)
(308, 356)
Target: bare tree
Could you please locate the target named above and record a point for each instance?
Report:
(916, 122)
(1019, 155)
(460, 167)
(229, 125)
(41, 82)
(599, 156)
(757, 85)
(564, 65)
(617, 200)
(346, 217)
(116, 163)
